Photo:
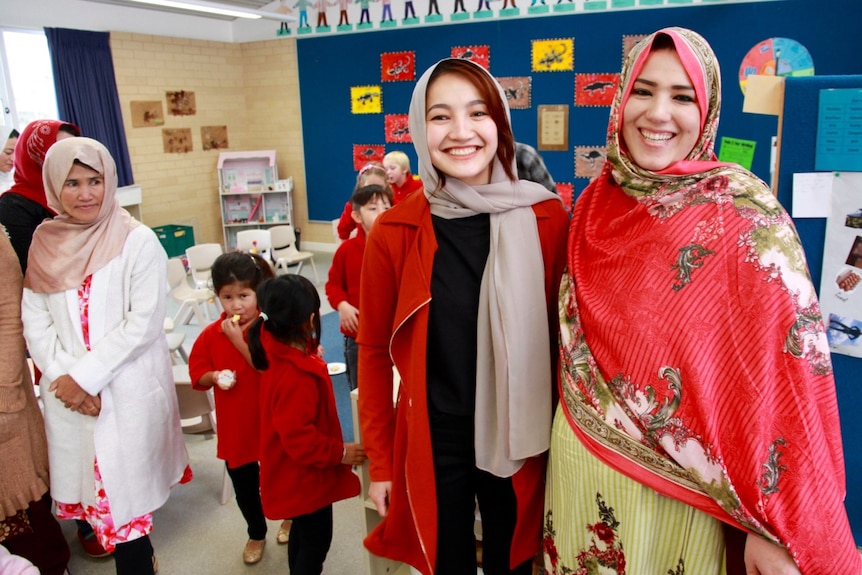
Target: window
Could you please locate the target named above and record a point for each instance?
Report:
(27, 83)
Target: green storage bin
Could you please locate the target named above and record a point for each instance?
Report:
(175, 239)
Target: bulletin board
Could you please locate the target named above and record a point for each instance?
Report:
(326, 77)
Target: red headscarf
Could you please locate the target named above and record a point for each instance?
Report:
(33, 144)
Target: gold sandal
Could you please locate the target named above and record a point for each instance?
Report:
(283, 535)
(253, 551)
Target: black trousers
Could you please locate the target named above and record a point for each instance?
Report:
(460, 484)
(134, 557)
(246, 485)
(46, 546)
(21, 216)
(310, 538)
(351, 359)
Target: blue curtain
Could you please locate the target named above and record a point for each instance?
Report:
(87, 90)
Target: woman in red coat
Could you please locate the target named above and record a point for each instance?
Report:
(458, 291)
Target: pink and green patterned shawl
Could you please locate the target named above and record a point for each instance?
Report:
(694, 358)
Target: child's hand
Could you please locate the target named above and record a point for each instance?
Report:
(233, 331)
(349, 317)
(320, 351)
(354, 454)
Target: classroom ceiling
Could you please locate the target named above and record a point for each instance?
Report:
(252, 5)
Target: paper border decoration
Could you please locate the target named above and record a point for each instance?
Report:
(567, 194)
(554, 55)
(396, 127)
(364, 153)
(477, 54)
(398, 66)
(181, 103)
(147, 113)
(177, 140)
(589, 161)
(366, 100)
(518, 90)
(214, 137)
(595, 89)
(629, 41)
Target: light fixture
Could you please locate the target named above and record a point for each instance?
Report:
(201, 7)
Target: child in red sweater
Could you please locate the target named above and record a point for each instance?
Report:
(342, 287)
(397, 166)
(370, 174)
(220, 358)
(305, 465)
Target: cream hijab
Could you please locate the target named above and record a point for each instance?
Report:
(513, 379)
(64, 250)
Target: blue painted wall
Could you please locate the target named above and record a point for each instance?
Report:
(329, 66)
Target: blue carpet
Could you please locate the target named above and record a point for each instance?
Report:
(333, 347)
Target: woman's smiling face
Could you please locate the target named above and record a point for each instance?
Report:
(461, 135)
(661, 119)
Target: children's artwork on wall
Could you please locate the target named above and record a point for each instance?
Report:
(147, 113)
(518, 91)
(595, 89)
(629, 41)
(567, 194)
(181, 103)
(366, 100)
(553, 55)
(776, 57)
(478, 54)
(397, 130)
(364, 153)
(214, 137)
(398, 66)
(589, 161)
(177, 141)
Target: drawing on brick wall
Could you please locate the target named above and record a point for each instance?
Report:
(397, 130)
(553, 55)
(364, 153)
(214, 137)
(589, 161)
(567, 194)
(177, 140)
(398, 66)
(478, 54)
(366, 100)
(595, 89)
(518, 90)
(181, 103)
(629, 42)
(147, 113)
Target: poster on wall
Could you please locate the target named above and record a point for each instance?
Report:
(840, 291)
(147, 113)
(364, 153)
(629, 42)
(518, 91)
(214, 137)
(554, 55)
(397, 129)
(398, 66)
(366, 100)
(477, 54)
(181, 103)
(177, 141)
(595, 89)
(589, 161)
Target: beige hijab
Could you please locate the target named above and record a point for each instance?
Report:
(64, 250)
(513, 379)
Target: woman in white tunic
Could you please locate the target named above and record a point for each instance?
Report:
(93, 310)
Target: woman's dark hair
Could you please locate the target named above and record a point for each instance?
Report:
(240, 267)
(286, 304)
(490, 93)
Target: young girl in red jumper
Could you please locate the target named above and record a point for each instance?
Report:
(304, 463)
(220, 358)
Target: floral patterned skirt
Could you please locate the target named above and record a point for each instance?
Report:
(598, 521)
(100, 519)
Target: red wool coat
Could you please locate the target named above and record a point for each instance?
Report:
(395, 297)
(300, 436)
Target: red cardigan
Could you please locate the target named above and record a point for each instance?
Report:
(344, 273)
(409, 186)
(300, 441)
(394, 303)
(237, 408)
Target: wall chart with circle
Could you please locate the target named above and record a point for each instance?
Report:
(776, 57)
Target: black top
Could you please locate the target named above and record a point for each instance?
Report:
(462, 250)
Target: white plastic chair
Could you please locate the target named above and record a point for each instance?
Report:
(255, 241)
(192, 300)
(284, 251)
(201, 258)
